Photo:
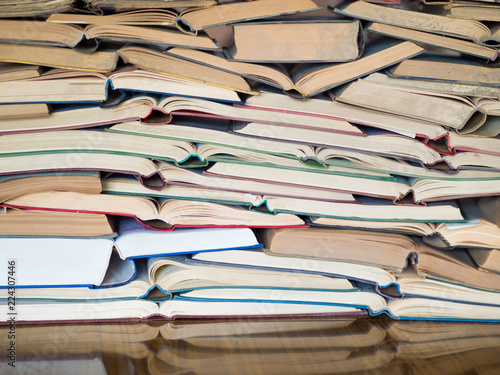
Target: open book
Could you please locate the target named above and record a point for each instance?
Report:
(218, 303)
(33, 223)
(85, 262)
(464, 29)
(162, 213)
(194, 19)
(99, 61)
(454, 266)
(440, 86)
(158, 278)
(87, 39)
(326, 106)
(437, 40)
(272, 198)
(481, 230)
(452, 112)
(442, 69)
(32, 8)
(20, 183)
(74, 86)
(309, 145)
(400, 190)
(306, 80)
(175, 308)
(443, 273)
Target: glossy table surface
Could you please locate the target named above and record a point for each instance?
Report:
(258, 346)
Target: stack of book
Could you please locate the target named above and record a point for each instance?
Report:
(218, 159)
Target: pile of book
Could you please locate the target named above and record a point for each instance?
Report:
(249, 158)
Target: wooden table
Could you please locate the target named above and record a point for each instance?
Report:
(260, 346)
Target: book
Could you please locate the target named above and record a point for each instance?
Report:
(138, 80)
(49, 261)
(298, 200)
(16, 111)
(378, 188)
(461, 166)
(487, 259)
(88, 38)
(260, 200)
(158, 62)
(414, 286)
(79, 117)
(16, 166)
(404, 308)
(223, 135)
(38, 272)
(14, 185)
(308, 81)
(56, 86)
(454, 113)
(460, 268)
(382, 280)
(43, 33)
(175, 308)
(386, 250)
(136, 240)
(452, 266)
(158, 278)
(54, 142)
(327, 107)
(317, 148)
(443, 87)
(149, 172)
(434, 40)
(31, 8)
(15, 71)
(195, 19)
(64, 86)
(129, 153)
(120, 5)
(471, 11)
(99, 61)
(162, 214)
(452, 143)
(416, 191)
(176, 105)
(334, 41)
(478, 231)
(432, 23)
(31, 223)
(363, 299)
(449, 70)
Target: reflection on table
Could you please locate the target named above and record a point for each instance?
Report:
(255, 346)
